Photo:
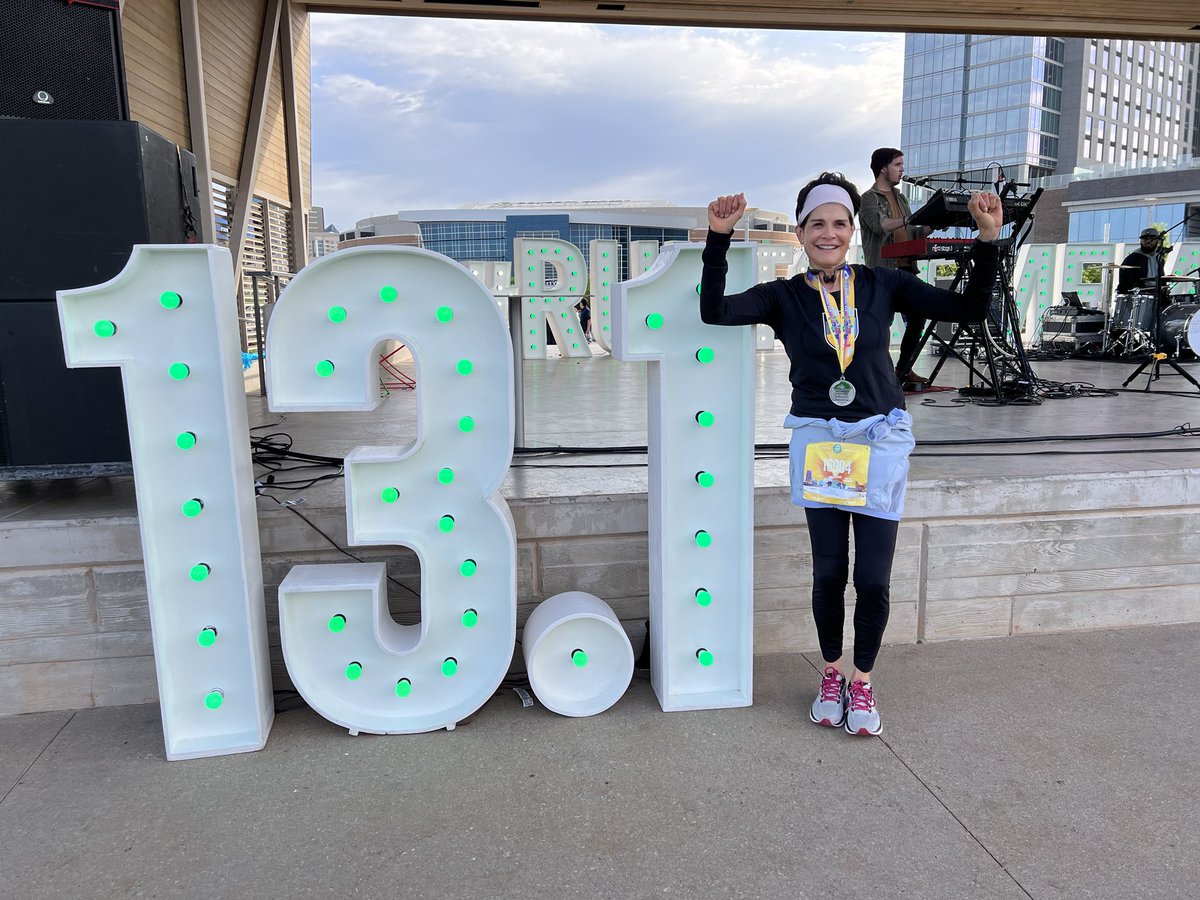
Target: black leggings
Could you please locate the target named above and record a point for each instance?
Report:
(874, 547)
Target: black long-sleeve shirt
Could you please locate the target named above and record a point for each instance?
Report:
(1144, 266)
(794, 310)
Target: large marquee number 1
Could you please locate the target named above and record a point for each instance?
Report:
(701, 443)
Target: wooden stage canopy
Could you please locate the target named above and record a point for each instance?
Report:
(1167, 20)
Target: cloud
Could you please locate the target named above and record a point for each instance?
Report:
(437, 113)
(365, 96)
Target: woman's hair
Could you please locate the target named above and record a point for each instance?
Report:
(834, 178)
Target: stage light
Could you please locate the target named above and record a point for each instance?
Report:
(685, 444)
(196, 507)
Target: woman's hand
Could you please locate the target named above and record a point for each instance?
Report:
(985, 209)
(724, 212)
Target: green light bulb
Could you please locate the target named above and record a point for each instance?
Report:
(464, 367)
(468, 568)
(705, 479)
(214, 698)
(606, 267)
(337, 314)
(324, 368)
(703, 538)
(579, 658)
(697, 290)
(470, 618)
(703, 597)
(705, 418)
(705, 355)
(104, 328)
(403, 687)
(654, 321)
(389, 495)
(558, 249)
(706, 658)
(193, 507)
(444, 314)
(646, 254)
(337, 623)
(446, 524)
(170, 300)
(179, 371)
(449, 666)
(185, 440)
(207, 637)
(466, 424)
(354, 671)
(199, 572)
(445, 476)
(605, 254)
(388, 294)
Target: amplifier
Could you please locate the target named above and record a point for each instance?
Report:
(1068, 320)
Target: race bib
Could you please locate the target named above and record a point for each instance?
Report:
(836, 473)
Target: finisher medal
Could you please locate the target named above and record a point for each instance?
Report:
(842, 392)
(841, 330)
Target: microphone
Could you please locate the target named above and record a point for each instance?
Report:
(999, 177)
(919, 182)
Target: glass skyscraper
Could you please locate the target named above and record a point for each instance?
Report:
(1042, 105)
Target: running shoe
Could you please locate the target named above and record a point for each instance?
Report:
(829, 709)
(862, 717)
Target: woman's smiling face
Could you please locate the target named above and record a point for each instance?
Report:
(826, 235)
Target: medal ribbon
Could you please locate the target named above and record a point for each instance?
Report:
(841, 321)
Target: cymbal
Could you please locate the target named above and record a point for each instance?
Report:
(1115, 266)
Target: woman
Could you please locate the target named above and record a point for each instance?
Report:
(850, 434)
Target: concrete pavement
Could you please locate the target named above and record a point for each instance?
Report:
(1059, 766)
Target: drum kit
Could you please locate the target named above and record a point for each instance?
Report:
(1152, 324)
(1148, 321)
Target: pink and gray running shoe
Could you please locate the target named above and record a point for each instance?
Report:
(829, 709)
(862, 717)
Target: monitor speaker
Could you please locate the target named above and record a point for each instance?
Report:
(77, 196)
(62, 60)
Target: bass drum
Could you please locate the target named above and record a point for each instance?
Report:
(1179, 330)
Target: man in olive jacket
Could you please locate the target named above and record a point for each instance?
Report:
(884, 213)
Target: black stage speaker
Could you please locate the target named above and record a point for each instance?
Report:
(54, 421)
(76, 196)
(62, 60)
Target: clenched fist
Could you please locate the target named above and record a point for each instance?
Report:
(724, 212)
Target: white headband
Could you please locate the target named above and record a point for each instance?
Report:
(822, 194)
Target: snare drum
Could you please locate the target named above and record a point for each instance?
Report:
(1135, 311)
(1179, 329)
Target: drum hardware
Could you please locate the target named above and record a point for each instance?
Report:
(1178, 324)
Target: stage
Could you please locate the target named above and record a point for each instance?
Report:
(1023, 538)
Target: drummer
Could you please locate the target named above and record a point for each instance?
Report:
(1144, 266)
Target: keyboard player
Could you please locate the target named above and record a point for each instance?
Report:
(882, 217)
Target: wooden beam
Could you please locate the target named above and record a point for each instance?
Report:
(193, 77)
(252, 144)
(1172, 20)
(291, 124)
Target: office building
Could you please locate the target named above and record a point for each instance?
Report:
(485, 232)
(1039, 106)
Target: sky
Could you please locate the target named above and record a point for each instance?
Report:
(421, 113)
